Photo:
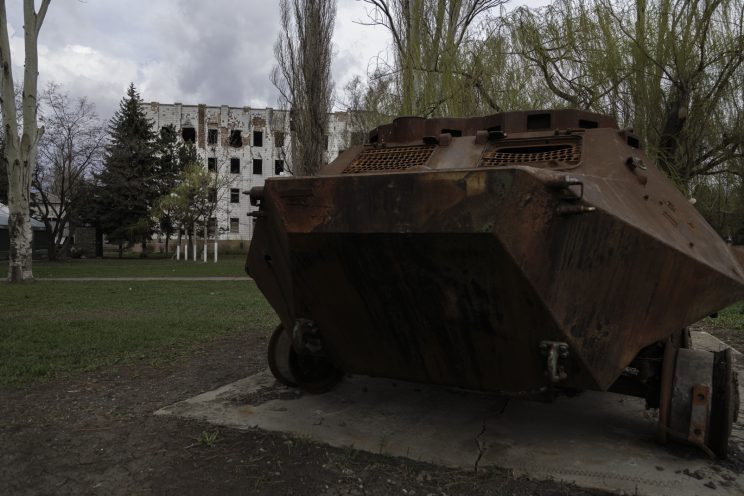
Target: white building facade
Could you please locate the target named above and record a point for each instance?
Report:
(243, 146)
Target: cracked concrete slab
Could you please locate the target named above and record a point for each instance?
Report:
(598, 440)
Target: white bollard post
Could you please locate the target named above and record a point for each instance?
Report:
(215, 251)
(178, 252)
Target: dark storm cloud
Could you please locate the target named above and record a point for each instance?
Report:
(190, 51)
(222, 50)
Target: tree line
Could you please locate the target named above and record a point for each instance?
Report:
(125, 179)
(669, 69)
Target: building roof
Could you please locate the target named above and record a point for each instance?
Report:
(5, 213)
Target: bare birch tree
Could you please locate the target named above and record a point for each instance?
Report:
(69, 152)
(303, 77)
(20, 150)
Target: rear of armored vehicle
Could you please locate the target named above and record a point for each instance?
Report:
(521, 253)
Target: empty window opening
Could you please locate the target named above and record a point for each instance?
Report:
(257, 138)
(211, 226)
(236, 138)
(234, 195)
(188, 134)
(212, 198)
(455, 133)
(278, 167)
(257, 166)
(326, 140)
(633, 141)
(234, 225)
(212, 164)
(585, 124)
(538, 121)
(212, 135)
(235, 165)
(278, 139)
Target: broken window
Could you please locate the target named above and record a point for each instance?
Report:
(234, 195)
(234, 225)
(235, 165)
(212, 164)
(212, 197)
(212, 136)
(278, 139)
(278, 167)
(257, 138)
(236, 138)
(325, 141)
(257, 166)
(188, 134)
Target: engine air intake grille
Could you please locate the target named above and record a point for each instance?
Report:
(394, 158)
(563, 152)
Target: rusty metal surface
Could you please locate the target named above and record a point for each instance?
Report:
(451, 266)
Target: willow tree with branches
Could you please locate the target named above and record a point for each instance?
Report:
(20, 145)
(672, 70)
(302, 75)
(434, 42)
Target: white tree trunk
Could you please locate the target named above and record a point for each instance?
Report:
(206, 243)
(19, 220)
(20, 152)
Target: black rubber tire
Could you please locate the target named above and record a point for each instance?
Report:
(724, 404)
(279, 355)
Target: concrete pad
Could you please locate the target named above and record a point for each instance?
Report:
(598, 440)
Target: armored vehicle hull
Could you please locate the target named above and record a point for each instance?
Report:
(522, 253)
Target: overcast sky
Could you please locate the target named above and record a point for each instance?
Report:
(217, 52)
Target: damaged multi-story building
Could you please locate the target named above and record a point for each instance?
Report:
(243, 146)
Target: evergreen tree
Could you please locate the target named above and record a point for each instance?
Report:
(173, 155)
(127, 182)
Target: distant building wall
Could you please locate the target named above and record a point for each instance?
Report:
(242, 144)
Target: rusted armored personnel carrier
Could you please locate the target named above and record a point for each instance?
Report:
(521, 253)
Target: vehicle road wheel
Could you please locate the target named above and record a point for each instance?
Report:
(313, 374)
(280, 351)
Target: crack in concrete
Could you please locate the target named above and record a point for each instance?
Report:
(480, 445)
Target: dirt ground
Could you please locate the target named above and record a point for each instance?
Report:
(96, 434)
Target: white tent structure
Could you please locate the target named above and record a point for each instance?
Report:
(37, 226)
(5, 213)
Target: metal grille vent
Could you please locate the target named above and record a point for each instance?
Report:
(394, 158)
(560, 153)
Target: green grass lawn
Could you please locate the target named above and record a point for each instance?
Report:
(728, 318)
(52, 327)
(134, 267)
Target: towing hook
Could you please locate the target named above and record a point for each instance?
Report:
(555, 352)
